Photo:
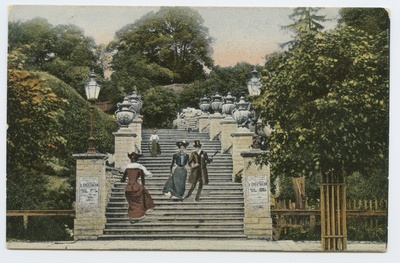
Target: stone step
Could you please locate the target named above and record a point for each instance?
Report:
(153, 224)
(172, 236)
(211, 186)
(183, 209)
(175, 230)
(120, 203)
(218, 215)
(182, 215)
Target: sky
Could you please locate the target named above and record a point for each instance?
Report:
(241, 34)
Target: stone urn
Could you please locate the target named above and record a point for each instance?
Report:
(216, 103)
(241, 113)
(136, 101)
(204, 105)
(228, 106)
(125, 113)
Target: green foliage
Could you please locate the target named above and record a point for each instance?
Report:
(367, 229)
(190, 96)
(160, 108)
(358, 229)
(305, 20)
(47, 121)
(230, 79)
(41, 228)
(371, 20)
(63, 51)
(169, 46)
(220, 79)
(328, 99)
(369, 186)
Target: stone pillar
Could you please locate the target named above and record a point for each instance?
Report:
(215, 125)
(242, 139)
(204, 122)
(136, 127)
(227, 127)
(124, 143)
(91, 196)
(257, 207)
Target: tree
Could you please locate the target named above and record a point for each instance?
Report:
(63, 51)
(32, 136)
(173, 41)
(47, 121)
(220, 79)
(319, 113)
(305, 20)
(328, 99)
(160, 107)
(371, 20)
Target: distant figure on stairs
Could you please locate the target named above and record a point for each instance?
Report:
(154, 145)
(198, 161)
(175, 185)
(139, 199)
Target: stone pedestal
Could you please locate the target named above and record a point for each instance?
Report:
(241, 141)
(215, 125)
(256, 188)
(227, 127)
(136, 127)
(124, 143)
(204, 122)
(91, 196)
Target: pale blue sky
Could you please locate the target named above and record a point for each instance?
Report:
(240, 33)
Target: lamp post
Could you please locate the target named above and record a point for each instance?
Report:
(92, 93)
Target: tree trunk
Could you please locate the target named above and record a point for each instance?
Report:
(299, 191)
(333, 212)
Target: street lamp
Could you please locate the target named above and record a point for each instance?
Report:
(92, 93)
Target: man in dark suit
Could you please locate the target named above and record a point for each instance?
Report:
(198, 161)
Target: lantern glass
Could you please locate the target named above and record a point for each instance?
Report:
(92, 88)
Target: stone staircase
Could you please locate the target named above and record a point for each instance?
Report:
(218, 215)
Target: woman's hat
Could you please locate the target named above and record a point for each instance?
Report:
(182, 143)
(154, 129)
(197, 144)
(134, 156)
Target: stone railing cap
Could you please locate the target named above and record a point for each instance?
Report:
(90, 156)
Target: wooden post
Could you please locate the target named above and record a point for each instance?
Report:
(333, 213)
(26, 226)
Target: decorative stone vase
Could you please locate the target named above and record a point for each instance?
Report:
(136, 101)
(204, 105)
(242, 113)
(228, 106)
(216, 103)
(125, 113)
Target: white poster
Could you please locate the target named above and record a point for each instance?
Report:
(257, 191)
(89, 190)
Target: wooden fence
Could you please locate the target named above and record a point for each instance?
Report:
(286, 217)
(28, 213)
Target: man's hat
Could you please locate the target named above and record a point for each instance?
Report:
(182, 143)
(134, 156)
(197, 144)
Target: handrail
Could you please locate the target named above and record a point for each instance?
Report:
(41, 212)
(205, 127)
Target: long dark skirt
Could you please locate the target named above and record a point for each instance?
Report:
(176, 183)
(155, 148)
(139, 202)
